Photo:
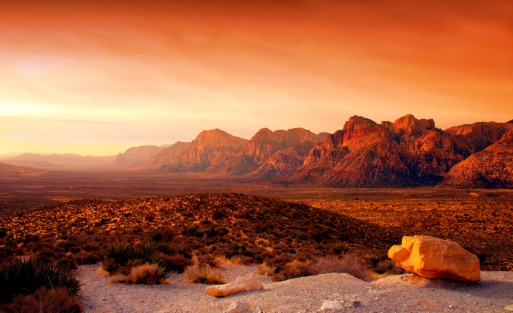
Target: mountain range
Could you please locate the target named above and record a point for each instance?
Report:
(404, 153)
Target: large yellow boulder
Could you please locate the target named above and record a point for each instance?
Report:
(432, 257)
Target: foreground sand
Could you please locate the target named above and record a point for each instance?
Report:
(404, 293)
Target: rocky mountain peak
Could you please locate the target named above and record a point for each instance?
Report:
(411, 126)
(357, 127)
(218, 138)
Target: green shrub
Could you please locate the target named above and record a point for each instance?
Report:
(25, 277)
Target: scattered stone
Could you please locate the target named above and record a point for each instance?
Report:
(240, 284)
(237, 307)
(432, 257)
(330, 305)
(356, 304)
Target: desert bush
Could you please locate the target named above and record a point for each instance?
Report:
(174, 263)
(116, 256)
(44, 301)
(193, 230)
(161, 235)
(347, 263)
(149, 274)
(265, 269)
(87, 257)
(239, 249)
(119, 255)
(25, 277)
(65, 264)
(203, 274)
(387, 267)
(292, 270)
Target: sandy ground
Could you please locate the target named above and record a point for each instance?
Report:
(404, 293)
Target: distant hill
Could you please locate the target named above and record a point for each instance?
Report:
(136, 157)
(9, 171)
(61, 161)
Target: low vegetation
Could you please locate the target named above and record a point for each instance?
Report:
(149, 274)
(203, 274)
(145, 240)
(35, 284)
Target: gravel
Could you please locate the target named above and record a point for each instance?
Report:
(321, 293)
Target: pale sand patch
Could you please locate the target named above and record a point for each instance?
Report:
(404, 293)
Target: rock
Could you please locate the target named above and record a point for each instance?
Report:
(356, 304)
(431, 257)
(329, 305)
(237, 307)
(240, 284)
(509, 307)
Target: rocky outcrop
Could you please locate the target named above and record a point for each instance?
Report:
(137, 157)
(283, 162)
(168, 157)
(481, 134)
(491, 167)
(270, 153)
(431, 257)
(407, 152)
(212, 150)
(362, 154)
(240, 284)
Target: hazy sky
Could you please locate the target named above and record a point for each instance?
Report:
(97, 77)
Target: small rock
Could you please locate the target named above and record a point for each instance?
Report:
(237, 307)
(509, 307)
(329, 305)
(356, 304)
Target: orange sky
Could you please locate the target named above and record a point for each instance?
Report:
(96, 77)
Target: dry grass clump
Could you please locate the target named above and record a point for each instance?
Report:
(265, 269)
(199, 273)
(292, 269)
(148, 274)
(347, 263)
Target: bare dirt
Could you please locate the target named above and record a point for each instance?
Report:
(402, 293)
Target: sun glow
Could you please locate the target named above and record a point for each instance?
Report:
(162, 72)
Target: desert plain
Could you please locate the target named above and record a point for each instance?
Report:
(74, 216)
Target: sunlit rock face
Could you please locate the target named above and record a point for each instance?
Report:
(491, 167)
(432, 257)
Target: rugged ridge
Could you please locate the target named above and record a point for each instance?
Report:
(212, 150)
(270, 153)
(491, 167)
(407, 152)
(404, 153)
(137, 157)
